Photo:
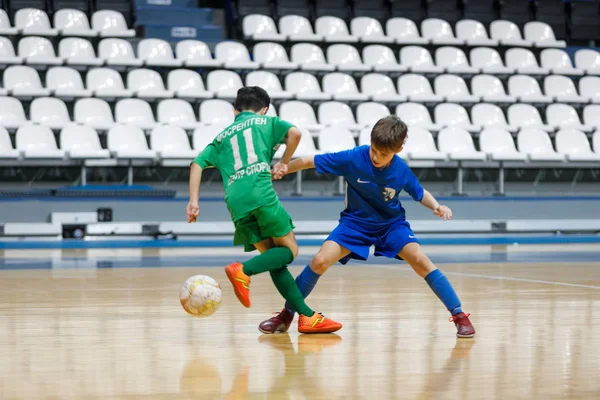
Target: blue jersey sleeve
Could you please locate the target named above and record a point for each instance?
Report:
(334, 163)
(412, 186)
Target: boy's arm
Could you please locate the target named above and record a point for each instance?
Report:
(430, 202)
(292, 139)
(193, 209)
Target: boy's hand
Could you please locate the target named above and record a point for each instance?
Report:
(279, 170)
(443, 212)
(192, 211)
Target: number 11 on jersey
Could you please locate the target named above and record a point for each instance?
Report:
(251, 154)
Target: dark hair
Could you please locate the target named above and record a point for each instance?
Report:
(389, 133)
(251, 98)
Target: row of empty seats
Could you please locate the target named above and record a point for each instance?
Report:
(67, 22)
(97, 114)
(400, 30)
(64, 82)
(80, 142)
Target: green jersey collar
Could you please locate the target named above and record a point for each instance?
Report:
(244, 114)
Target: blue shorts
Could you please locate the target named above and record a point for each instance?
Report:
(388, 242)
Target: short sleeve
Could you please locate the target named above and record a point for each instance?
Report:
(280, 129)
(206, 158)
(412, 186)
(333, 163)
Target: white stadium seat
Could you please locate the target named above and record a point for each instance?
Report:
(589, 87)
(12, 114)
(499, 145)
(458, 144)
(417, 89)
(171, 142)
(234, 55)
(342, 87)
(454, 116)
(118, 52)
(261, 27)
(300, 114)
(305, 86)
(416, 115)
(82, 142)
(298, 29)
(381, 88)
(524, 62)
(23, 82)
(453, 60)
(404, 31)
(526, 116)
(106, 83)
(537, 145)
(187, 84)
(335, 113)
(335, 138)
(421, 146)
(224, 83)
(147, 84)
(272, 111)
(50, 112)
(268, 81)
(490, 116)
(128, 142)
(558, 62)
(454, 89)
(38, 51)
(157, 53)
(381, 59)
(305, 148)
(562, 89)
(575, 146)
(31, 21)
(111, 23)
(310, 57)
(508, 34)
(72, 22)
(94, 113)
(37, 142)
(591, 117)
(364, 137)
(563, 116)
(346, 58)
(7, 53)
(439, 32)
(195, 53)
(588, 60)
(135, 112)
(6, 149)
(367, 114)
(596, 141)
(273, 56)
(178, 113)
(5, 27)
(474, 33)
(418, 59)
(488, 61)
(66, 83)
(202, 137)
(369, 30)
(542, 35)
(216, 112)
(527, 89)
(334, 29)
(490, 89)
(78, 52)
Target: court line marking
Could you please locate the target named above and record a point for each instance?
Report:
(498, 277)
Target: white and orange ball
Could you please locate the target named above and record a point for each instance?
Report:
(200, 296)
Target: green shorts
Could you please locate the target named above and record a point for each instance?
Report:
(263, 223)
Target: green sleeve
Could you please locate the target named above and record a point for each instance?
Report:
(280, 129)
(206, 158)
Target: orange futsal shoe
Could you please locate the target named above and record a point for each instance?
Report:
(240, 282)
(317, 324)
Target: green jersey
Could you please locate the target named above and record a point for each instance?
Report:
(243, 153)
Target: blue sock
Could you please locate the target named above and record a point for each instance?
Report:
(306, 282)
(441, 286)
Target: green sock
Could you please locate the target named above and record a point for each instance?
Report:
(287, 287)
(270, 260)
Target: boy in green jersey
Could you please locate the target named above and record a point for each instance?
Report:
(243, 153)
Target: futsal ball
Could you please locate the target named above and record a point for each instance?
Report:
(200, 296)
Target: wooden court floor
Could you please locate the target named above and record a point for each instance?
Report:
(120, 333)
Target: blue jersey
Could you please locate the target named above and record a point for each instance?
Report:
(372, 201)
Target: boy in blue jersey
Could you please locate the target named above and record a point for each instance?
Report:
(375, 175)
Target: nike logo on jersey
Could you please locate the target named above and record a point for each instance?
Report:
(361, 181)
(412, 237)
